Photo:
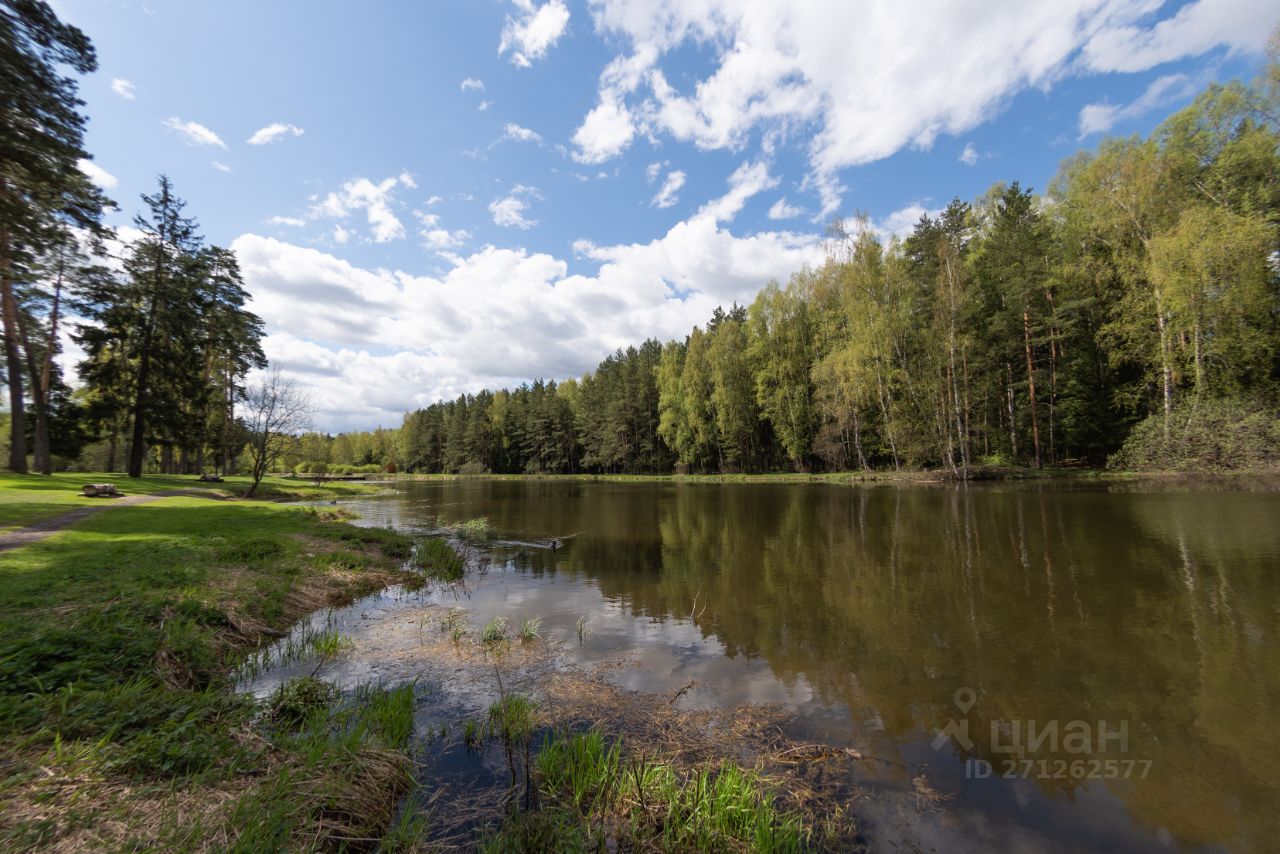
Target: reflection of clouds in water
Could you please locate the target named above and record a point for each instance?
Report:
(671, 653)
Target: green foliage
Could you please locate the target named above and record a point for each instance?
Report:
(1208, 435)
(530, 630)
(439, 560)
(495, 631)
(590, 791)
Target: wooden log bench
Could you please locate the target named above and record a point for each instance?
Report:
(100, 490)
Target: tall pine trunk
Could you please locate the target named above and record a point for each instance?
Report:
(13, 364)
(40, 402)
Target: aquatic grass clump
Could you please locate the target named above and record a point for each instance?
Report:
(454, 624)
(308, 642)
(495, 631)
(531, 630)
(582, 628)
(298, 699)
(589, 783)
(439, 560)
(471, 529)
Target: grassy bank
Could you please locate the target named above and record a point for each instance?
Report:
(905, 476)
(119, 724)
(29, 498)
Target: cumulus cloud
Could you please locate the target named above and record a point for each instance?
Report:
(871, 79)
(1240, 25)
(123, 88)
(436, 237)
(520, 134)
(496, 317)
(533, 30)
(1101, 117)
(273, 132)
(376, 201)
(294, 221)
(902, 222)
(98, 175)
(604, 133)
(669, 194)
(969, 157)
(747, 180)
(484, 105)
(509, 210)
(781, 210)
(472, 84)
(194, 133)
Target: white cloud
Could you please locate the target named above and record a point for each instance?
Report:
(871, 79)
(604, 133)
(472, 84)
(484, 105)
(195, 133)
(902, 222)
(533, 30)
(98, 175)
(746, 181)
(294, 221)
(443, 238)
(653, 170)
(123, 88)
(436, 237)
(362, 194)
(434, 200)
(668, 195)
(781, 210)
(1100, 118)
(969, 157)
(495, 318)
(220, 166)
(340, 235)
(1198, 27)
(520, 134)
(273, 132)
(407, 179)
(509, 211)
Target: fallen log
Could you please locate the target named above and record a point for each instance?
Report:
(100, 490)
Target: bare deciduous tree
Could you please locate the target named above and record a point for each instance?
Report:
(275, 412)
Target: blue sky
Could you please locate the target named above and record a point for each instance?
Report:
(431, 197)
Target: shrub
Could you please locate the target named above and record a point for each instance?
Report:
(1206, 435)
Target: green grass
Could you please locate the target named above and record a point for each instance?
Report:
(27, 498)
(439, 560)
(590, 791)
(495, 631)
(119, 640)
(477, 529)
(530, 630)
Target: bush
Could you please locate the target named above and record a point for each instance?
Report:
(1206, 435)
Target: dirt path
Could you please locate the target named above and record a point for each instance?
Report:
(37, 531)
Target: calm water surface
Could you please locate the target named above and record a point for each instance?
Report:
(884, 615)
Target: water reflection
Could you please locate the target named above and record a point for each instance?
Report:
(1157, 610)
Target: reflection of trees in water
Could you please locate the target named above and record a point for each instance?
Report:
(1155, 609)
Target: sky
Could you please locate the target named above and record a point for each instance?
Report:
(429, 198)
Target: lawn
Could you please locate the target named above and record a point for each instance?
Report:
(118, 723)
(27, 498)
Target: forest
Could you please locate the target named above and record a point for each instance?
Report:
(1126, 315)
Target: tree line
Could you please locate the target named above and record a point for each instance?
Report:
(1130, 313)
(167, 338)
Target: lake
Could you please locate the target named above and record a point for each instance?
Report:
(1069, 665)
